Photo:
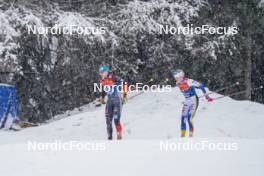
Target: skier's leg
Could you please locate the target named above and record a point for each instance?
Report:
(109, 118)
(185, 113)
(117, 115)
(192, 112)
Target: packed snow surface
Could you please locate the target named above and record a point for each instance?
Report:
(150, 121)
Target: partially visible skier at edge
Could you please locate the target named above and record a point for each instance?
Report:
(114, 102)
(191, 102)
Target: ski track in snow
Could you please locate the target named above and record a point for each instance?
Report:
(146, 120)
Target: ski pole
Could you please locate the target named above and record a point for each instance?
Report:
(237, 93)
(220, 89)
(227, 87)
(133, 96)
(140, 93)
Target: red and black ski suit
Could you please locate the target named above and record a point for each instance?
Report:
(114, 102)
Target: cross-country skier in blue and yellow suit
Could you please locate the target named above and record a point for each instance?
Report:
(191, 102)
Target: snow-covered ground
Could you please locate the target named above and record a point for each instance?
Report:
(150, 121)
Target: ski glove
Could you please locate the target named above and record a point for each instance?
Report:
(101, 100)
(209, 99)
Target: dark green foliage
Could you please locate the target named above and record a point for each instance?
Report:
(47, 87)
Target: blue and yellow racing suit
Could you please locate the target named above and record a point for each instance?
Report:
(191, 102)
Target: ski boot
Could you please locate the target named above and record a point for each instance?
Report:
(183, 133)
(110, 137)
(191, 133)
(119, 135)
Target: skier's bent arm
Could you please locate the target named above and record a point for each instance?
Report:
(198, 85)
(119, 81)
